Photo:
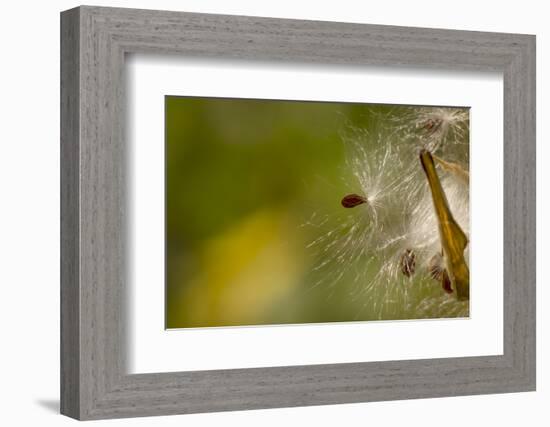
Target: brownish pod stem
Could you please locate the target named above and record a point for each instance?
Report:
(453, 239)
(453, 168)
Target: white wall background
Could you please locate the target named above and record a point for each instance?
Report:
(29, 212)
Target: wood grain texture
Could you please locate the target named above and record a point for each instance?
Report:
(70, 334)
(94, 382)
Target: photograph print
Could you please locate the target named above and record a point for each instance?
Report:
(298, 212)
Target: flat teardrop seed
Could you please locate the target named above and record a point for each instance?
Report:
(408, 263)
(352, 200)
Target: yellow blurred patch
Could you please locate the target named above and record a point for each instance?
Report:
(245, 272)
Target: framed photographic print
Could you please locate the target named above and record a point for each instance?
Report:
(259, 233)
(262, 213)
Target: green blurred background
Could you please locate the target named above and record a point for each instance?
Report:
(242, 179)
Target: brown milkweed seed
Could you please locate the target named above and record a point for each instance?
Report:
(439, 272)
(408, 262)
(435, 267)
(352, 200)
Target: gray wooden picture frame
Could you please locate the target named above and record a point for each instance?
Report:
(94, 381)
